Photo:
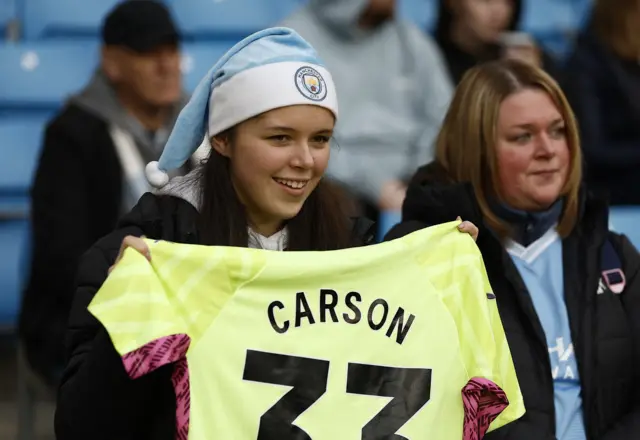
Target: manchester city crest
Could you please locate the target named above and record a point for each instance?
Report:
(310, 83)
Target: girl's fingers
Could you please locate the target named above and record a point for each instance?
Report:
(469, 228)
(136, 243)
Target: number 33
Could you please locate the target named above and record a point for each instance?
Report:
(409, 387)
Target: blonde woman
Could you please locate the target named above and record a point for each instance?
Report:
(508, 159)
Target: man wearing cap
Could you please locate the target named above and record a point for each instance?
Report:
(91, 169)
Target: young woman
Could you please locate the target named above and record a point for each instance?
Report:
(269, 109)
(470, 32)
(508, 159)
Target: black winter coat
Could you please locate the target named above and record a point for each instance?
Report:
(76, 199)
(97, 400)
(604, 92)
(605, 328)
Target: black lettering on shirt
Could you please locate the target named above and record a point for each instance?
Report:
(378, 313)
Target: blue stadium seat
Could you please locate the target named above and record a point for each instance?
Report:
(198, 58)
(8, 13)
(387, 220)
(423, 13)
(39, 76)
(544, 16)
(19, 149)
(229, 20)
(558, 43)
(14, 238)
(63, 18)
(21, 141)
(625, 220)
(556, 23)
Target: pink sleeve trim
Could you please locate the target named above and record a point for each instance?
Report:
(483, 402)
(156, 354)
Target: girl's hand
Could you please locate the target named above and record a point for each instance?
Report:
(469, 228)
(136, 243)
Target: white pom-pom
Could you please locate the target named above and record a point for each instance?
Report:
(155, 175)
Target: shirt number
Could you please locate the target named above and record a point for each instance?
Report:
(409, 387)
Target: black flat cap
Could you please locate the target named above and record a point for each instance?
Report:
(140, 25)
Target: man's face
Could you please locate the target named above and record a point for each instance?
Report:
(152, 77)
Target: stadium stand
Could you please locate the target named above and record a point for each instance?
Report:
(20, 146)
(8, 15)
(38, 76)
(66, 19)
(228, 20)
(555, 22)
(13, 236)
(197, 59)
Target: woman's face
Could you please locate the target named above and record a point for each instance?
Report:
(532, 151)
(277, 160)
(486, 20)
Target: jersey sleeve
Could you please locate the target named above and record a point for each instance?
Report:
(492, 397)
(140, 316)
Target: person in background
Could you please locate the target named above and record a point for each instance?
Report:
(604, 90)
(394, 92)
(568, 290)
(475, 31)
(91, 169)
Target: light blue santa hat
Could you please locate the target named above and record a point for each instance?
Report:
(270, 69)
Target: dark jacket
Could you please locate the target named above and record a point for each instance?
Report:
(97, 400)
(76, 200)
(605, 328)
(77, 197)
(604, 91)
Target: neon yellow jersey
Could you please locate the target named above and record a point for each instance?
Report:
(399, 340)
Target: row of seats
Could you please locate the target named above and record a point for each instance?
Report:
(38, 76)
(63, 19)
(20, 143)
(216, 19)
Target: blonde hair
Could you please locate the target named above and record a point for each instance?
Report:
(617, 24)
(465, 146)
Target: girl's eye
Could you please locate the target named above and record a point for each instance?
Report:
(280, 138)
(322, 139)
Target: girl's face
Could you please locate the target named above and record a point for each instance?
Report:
(484, 19)
(277, 160)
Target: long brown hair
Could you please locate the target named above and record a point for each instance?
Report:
(617, 24)
(465, 146)
(323, 223)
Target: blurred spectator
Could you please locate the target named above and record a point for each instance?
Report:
(604, 90)
(92, 165)
(394, 91)
(474, 31)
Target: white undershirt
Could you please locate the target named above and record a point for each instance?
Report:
(276, 242)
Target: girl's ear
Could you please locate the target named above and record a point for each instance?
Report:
(222, 145)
